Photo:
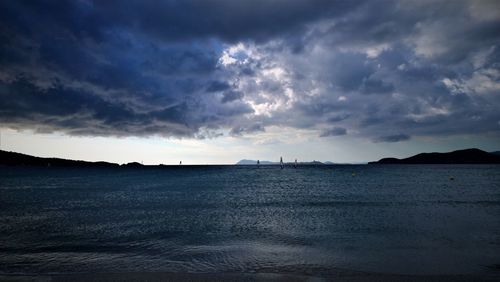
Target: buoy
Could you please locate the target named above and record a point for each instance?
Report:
(452, 178)
(353, 174)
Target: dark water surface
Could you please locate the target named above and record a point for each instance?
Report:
(313, 220)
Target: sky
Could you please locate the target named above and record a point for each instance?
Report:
(216, 81)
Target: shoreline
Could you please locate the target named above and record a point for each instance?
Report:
(170, 276)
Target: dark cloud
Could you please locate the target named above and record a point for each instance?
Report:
(240, 130)
(228, 20)
(230, 96)
(392, 138)
(199, 68)
(79, 112)
(217, 86)
(339, 117)
(173, 20)
(375, 86)
(336, 131)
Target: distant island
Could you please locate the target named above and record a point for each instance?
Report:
(254, 162)
(467, 156)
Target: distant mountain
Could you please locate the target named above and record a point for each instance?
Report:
(351, 163)
(18, 159)
(467, 156)
(254, 162)
(311, 163)
(495, 153)
(134, 164)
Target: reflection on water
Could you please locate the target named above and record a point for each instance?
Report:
(389, 219)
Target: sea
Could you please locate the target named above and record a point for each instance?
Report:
(310, 220)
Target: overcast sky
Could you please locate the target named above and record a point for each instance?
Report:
(216, 81)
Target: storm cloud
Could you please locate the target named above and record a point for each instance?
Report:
(336, 131)
(392, 138)
(203, 69)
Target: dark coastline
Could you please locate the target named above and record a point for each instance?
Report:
(18, 159)
(467, 156)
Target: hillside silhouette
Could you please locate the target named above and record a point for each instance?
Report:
(467, 156)
(18, 159)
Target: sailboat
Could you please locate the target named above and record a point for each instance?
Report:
(295, 165)
(258, 163)
(281, 163)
